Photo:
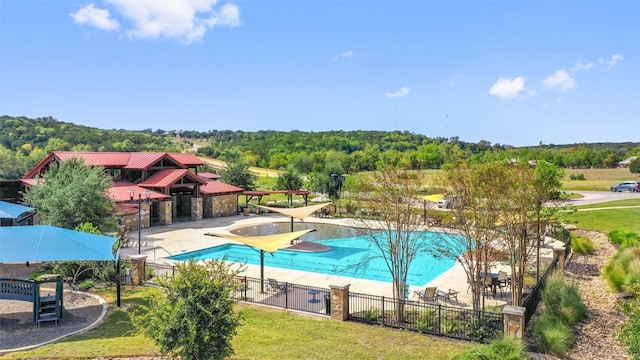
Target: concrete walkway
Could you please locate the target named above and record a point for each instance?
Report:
(158, 243)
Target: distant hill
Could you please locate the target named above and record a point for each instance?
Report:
(57, 135)
(307, 151)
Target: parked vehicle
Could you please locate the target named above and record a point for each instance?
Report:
(448, 202)
(630, 186)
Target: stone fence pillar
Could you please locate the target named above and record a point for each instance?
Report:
(138, 273)
(514, 324)
(340, 302)
(560, 253)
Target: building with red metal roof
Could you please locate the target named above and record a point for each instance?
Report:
(167, 183)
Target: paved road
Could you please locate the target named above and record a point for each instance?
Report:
(595, 197)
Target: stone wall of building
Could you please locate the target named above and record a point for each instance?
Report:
(222, 205)
(130, 221)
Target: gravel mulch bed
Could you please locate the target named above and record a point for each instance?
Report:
(17, 328)
(596, 339)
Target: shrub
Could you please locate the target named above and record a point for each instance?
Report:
(581, 245)
(629, 332)
(553, 335)
(623, 270)
(371, 315)
(86, 284)
(624, 238)
(562, 300)
(427, 321)
(499, 349)
(577, 177)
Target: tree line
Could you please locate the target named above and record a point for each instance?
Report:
(24, 142)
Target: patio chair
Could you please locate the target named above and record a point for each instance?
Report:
(503, 281)
(275, 287)
(430, 294)
(489, 285)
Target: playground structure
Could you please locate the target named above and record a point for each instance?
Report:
(47, 308)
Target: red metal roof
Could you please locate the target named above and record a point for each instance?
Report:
(127, 160)
(167, 177)
(120, 192)
(187, 159)
(217, 187)
(106, 159)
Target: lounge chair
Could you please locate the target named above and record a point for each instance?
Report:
(451, 294)
(429, 294)
(274, 286)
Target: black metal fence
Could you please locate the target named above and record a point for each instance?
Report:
(531, 301)
(434, 319)
(284, 295)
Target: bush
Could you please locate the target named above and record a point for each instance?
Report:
(562, 301)
(629, 332)
(623, 270)
(624, 238)
(499, 349)
(581, 245)
(86, 285)
(553, 335)
(563, 310)
(577, 177)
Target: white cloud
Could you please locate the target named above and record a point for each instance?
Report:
(579, 66)
(560, 80)
(184, 20)
(506, 88)
(400, 93)
(92, 16)
(347, 54)
(613, 61)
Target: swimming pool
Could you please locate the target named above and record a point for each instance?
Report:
(344, 259)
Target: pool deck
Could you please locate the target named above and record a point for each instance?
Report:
(162, 241)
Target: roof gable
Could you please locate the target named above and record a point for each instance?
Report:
(167, 177)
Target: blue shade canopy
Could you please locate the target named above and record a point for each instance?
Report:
(49, 243)
(13, 211)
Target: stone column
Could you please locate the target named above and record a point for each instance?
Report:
(196, 209)
(340, 302)
(138, 273)
(514, 324)
(164, 212)
(560, 253)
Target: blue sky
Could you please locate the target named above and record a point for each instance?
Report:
(516, 72)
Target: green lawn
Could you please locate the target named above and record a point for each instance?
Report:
(607, 216)
(265, 334)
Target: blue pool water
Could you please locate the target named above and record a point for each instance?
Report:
(351, 256)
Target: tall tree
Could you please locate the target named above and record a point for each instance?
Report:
(289, 180)
(500, 206)
(634, 166)
(71, 194)
(238, 174)
(390, 194)
(192, 316)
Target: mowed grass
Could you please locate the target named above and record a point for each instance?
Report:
(597, 179)
(606, 220)
(265, 334)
